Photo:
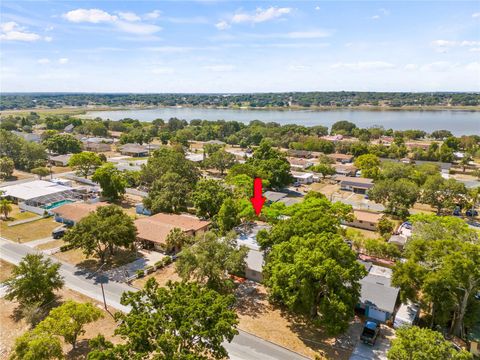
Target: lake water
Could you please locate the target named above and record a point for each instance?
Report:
(459, 122)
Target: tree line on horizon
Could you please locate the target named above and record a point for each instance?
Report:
(256, 100)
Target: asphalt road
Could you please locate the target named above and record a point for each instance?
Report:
(243, 347)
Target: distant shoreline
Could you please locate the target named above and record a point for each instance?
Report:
(83, 110)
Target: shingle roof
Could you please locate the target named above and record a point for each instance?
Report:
(376, 290)
(157, 227)
(77, 211)
(367, 216)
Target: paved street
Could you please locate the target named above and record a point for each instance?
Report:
(243, 347)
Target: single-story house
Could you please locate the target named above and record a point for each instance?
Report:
(378, 298)
(345, 170)
(254, 261)
(60, 160)
(289, 201)
(364, 220)
(215, 142)
(247, 236)
(194, 157)
(341, 158)
(69, 128)
(134, 150)
(115, 134)
(356, 184)
(333, 138)
(398, 240)
(303, 178)
(300, 153)
(299, 163)
(274, 196)
(38, 196)
(72, 213)
(96, 144)
(153, 230)
(31, 137)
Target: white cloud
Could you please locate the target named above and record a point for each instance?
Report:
(375, 17)
(128, 16)
(222, 25)
(11, 31)
(438, 66)
(442, 46)
(155, 14)
(163, 70)
(473, 66)
(137, 28)
(411, 67)
(299, 68)
(364, 65)
(317, 8)
(219, 68)
(475, 49)
(43, 61)
(63, 61)
(260, 15)
(89, 15)
(314, 34)
(125, 21)
(476, 15)
(48, 38)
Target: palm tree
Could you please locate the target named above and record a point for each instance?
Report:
(5, 207)
(465, 160)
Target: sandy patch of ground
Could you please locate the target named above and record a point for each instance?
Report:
(11, 328)
(5, 270)
(162, 276)
(259, 317)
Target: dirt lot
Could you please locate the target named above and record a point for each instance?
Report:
(51, 245)
(11, 328)
(5, 270)
(259, 317)
(38, 229)
(60, 169)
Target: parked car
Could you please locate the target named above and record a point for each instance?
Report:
(457, 212)
(58, 233)
(370, 332)
(296, 184)
(407, 225)
(471, 212)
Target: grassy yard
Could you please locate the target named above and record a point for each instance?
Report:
(76, 257)
(34, 230)
(16, 214)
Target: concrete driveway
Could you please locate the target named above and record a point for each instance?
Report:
(376, 352)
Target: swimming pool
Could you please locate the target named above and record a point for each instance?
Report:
(57, 204)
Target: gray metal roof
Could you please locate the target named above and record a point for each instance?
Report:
(376, 290)
(254, 260)
(274, 196)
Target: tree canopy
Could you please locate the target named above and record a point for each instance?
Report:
(34, 280)
(211, 259)
(111, 180)
(414, 342)
(180, 321)
(102, 231)
(443, 264)
(63, 144)
(85, 162)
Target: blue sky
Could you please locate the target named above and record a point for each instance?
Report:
(234, 46)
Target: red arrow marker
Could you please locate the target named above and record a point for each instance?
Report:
(257, 200)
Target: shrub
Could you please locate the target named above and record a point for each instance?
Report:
(140, 273)
(167, 260)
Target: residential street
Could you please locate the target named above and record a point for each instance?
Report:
(243, 347)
